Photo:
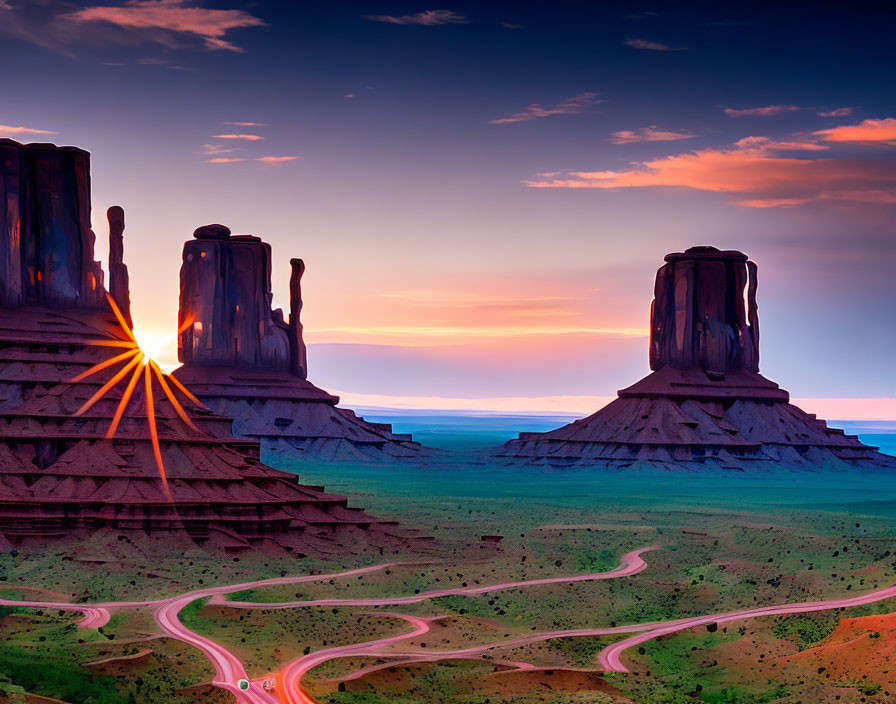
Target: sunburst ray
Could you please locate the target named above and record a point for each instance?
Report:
(154, 433)
(174, 402)
(109, 384)
(102, 365)
(123, 404)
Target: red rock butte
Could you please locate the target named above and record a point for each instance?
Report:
(171, 467)
(245, 361)
(705, 405)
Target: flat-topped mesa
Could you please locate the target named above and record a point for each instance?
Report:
(46, 244)
(705, 405)
(244, 361)
(704, 313)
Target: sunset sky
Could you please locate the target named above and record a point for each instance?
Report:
(482, 192)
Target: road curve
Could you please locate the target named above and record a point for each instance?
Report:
(631, 563)
(95, 615)
(289, 682)
(609, 658)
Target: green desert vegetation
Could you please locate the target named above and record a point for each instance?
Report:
(717, 556)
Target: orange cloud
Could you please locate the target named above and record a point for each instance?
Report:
(245, 124)
(224, 160)
(767, 111)
(416, 335)
(247, 137)
(8, 129)
(571, 106)
(276, 159)
(866, 132)
(648, 134)
(174, 16)
(753, 170)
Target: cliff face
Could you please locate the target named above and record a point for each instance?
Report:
(243, 360)
(705, 406)
(46, 244)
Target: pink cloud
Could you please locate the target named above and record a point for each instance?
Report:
(571, 106)
(429, 18)
(247, 137)
(176, 16)
(245, 124)
(650, 46)
(224, 160)
(767, 111)
(648, 134)
(8, 129)
(752, 170)
(276, 159)
(866, 132)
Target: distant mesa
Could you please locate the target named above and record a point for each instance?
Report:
(246, 361)
(61, 475)
(705, 405)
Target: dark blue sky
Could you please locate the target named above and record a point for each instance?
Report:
(475, 182)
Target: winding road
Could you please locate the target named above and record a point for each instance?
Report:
(229, 670)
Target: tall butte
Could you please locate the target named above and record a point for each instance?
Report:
(245, 361)
(93, 436)
(705, 405)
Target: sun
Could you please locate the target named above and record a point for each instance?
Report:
(137, 360)
(151, 344)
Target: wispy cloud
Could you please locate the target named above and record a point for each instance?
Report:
(155, 61)
(246, 137)
(270, 160)
(214, 149)
(753, 171)
(276, 159)
(176, 16)
(428, 18)
(575, 105)
(866, 132)
(6, 130)
(245, 124)
(648, 45)
(511, 25)
(483, 331)
(648, 134)
(767, 111)
(838, 112)
(767, 145)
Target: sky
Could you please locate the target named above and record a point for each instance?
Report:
(482, 192)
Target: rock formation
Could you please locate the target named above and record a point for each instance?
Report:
(244, 361)
(119, 282)
(705, 405)
(93, 438)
